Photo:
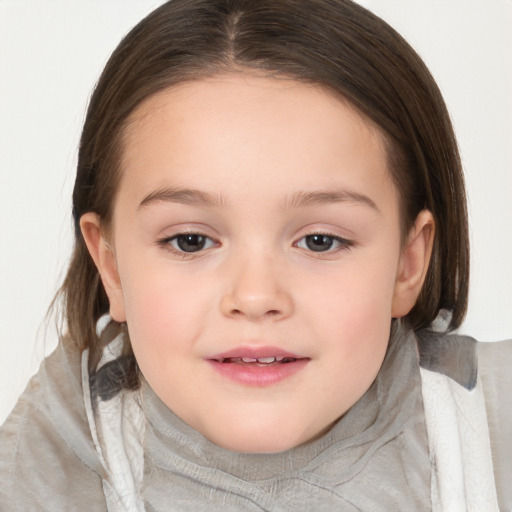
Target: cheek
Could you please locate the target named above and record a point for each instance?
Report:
(164, 325)
(163, 310)
(351, 311)
(360, 290)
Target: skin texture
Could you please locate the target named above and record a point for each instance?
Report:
(256, 146)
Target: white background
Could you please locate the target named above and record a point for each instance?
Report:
(51, 53)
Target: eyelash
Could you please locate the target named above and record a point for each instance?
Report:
(166, 243)
(344, 244)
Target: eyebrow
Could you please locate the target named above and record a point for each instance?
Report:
(183, 196)
(303, 199)
(299, 199)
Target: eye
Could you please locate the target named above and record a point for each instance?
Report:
(322, 243)
(189, 242)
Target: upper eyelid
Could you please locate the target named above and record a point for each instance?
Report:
(328, 229)
(173, 233)
(341, 238)
(180, 233)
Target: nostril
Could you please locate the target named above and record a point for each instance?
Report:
(253, 306)
(270, 313)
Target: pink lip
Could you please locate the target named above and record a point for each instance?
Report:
(252, 374)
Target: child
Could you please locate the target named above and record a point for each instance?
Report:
(270, 216)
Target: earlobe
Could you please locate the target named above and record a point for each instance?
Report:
(413, 265)
(104, 258)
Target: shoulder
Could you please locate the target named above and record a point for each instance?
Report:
(462, 358)
(495, 374)
(47, 457)
(496, 356)
(449, 354)
(495, 371)
(485, 366)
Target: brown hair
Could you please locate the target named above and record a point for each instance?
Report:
(335, 43)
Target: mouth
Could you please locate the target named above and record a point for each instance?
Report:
(259, 367)
(261, 362)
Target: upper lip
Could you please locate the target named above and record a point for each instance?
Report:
(255, 353)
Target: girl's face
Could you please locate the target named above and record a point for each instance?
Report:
(256, 256)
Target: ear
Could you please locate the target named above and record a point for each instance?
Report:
(105, 261)
(413, 264)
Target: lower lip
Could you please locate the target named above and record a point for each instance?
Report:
(258, 376)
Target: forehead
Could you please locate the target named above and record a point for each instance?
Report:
(224, 129)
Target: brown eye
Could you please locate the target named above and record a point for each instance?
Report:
(319, 242)
(189, 242)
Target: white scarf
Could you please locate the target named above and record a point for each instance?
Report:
(459, 445)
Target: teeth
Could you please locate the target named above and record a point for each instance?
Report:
(266, 359)
(261, 360)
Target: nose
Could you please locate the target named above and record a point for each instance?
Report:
(256, 290)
